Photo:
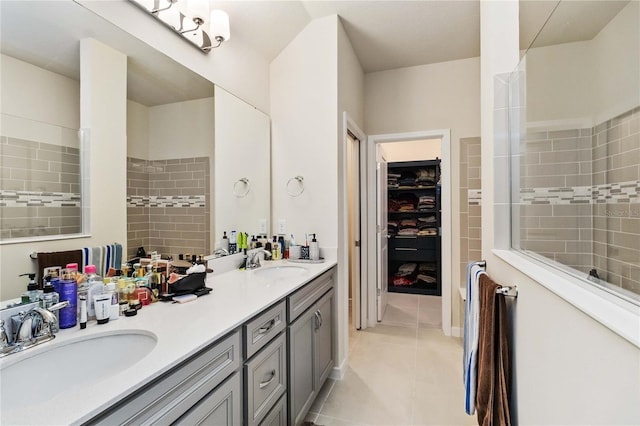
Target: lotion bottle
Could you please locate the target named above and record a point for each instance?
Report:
(314, 250)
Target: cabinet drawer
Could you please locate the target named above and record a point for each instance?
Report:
(278, 414)
(223, 406)
(265, 380)
(398, 243)
(302, 299)
(260, 330)
(170, 396)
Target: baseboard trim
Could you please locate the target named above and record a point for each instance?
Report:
(338, 372)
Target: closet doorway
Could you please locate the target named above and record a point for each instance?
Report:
(426, 145)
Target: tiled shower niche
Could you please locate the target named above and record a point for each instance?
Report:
(39, 188)
(580, 198)
(168, 206)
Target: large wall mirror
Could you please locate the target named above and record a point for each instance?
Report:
(173, 146)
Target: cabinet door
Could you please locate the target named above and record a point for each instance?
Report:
(221, 407)
(302, 387)
(324, 339)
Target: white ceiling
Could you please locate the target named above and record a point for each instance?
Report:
(385, 34)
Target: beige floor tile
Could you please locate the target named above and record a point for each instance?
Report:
(375, 399)
(400, 315)
(404, 300)
(332, 421)
(389, 334)
(322, 396)
(440, 405)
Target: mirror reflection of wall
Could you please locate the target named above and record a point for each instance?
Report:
(39, 145)
(170, 139)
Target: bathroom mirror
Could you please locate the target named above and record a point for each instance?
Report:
(172, 115)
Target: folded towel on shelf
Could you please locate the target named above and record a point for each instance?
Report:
(426, 177)
(426, 202)
(405, 275)
(494, 362)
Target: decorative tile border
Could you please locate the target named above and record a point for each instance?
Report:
(610, 193)
(12, 198)
(623, 192)
(167, 201)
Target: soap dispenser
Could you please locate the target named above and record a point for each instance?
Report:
(32, 289)
(314, 250)
(225, 242)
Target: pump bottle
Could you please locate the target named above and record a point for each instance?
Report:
(314, 250)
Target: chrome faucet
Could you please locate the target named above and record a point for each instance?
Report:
(221, 252)
(253, 259)
(36, 326)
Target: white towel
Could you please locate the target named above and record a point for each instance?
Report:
(470, 343)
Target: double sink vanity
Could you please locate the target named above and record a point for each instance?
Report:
(256, 351)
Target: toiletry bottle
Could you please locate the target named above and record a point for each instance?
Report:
(275, 248)
(267, 247)
(284, 251)
(94, 287)
(83, 311)
(314, 250)
(152, 282)
(233, 242)
(254, 242)
(114, 310)
(225, 242)
(68, 291)
(32, 288)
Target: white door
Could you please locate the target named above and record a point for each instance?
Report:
(382, 235)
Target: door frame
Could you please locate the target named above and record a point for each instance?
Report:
(446, 217)
(349, 125)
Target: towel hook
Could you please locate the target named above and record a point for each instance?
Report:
(291, 190)
(238, 186)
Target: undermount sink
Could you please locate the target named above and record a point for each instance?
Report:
(281, 272)
(39, 377)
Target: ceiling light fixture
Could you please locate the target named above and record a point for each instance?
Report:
(191, 19)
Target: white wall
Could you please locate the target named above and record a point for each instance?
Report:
(437, 96)
(304, 111)
(181, 130)
(351, 101)
(587, 82)
(233, 66)
(103, 95)
(39, 95)
(137, 130)
(568, 368)
(427, 149)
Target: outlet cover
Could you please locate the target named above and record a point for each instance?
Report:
(282, 227)
(262, 226)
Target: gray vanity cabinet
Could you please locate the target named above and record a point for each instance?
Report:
(222, 407)
(310, 346)
(205, 385)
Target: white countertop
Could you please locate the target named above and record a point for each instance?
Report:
(181, 331)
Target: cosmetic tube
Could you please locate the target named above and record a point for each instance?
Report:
(102, 304)
(83, 312)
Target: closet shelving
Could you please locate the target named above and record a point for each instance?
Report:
(414, 227)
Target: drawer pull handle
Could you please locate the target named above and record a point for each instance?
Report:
(405, 249)
(406, 237)
(268, 326)
(318, 316)
(264, 384)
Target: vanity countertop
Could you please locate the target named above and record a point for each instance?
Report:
(181, 331)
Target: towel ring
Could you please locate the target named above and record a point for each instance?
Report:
(237, 187)
(291, 190)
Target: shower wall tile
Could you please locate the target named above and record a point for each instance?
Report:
(580, 198)
(470, 198)
(175, 197)
(40, 189)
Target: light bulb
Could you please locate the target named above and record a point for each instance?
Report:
(219, 25)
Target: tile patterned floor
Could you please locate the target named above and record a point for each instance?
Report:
(402, 372)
